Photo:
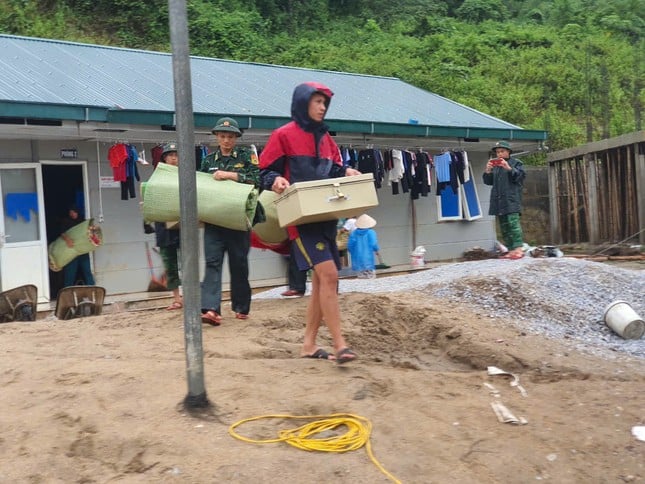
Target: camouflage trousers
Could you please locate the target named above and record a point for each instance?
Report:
(170, 260)
(511, 230)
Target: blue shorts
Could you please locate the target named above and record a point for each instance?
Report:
(316, 243)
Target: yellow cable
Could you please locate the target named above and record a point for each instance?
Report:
(357, 435)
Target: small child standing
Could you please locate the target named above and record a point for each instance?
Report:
(362, 245)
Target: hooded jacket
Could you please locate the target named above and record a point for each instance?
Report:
(362, 245)
(301, 150)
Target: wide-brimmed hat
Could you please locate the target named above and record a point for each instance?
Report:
(227, 124)
(365, 222)
(502, 144)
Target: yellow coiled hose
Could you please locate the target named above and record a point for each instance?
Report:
(303, 437)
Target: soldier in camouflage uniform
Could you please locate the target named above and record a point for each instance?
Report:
(239, 164)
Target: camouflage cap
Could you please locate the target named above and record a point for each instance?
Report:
(168, 148)
(227, 124)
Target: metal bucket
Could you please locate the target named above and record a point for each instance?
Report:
(623, 320)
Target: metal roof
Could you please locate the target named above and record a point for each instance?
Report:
(54, 79)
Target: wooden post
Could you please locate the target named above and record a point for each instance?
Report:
(639, 164)
(592, 194)
(582, 180)
(604, 196)
(630, 202)
(573, 198)
(554, 205)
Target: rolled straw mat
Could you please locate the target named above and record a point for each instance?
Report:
(219, 202)
(270, 231)
(86, 236)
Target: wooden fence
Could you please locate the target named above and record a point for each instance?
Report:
(597, 191)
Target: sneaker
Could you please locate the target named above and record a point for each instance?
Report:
(291, 293)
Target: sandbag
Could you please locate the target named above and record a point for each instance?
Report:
(86, 236)
(270, 231)
(219, 202)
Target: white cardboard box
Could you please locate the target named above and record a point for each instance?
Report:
(330, 199)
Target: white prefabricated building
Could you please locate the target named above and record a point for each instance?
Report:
(63, 105)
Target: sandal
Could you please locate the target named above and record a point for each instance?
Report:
(241, 316)
(175, 305)
(514, 255)
(211, 317)
(320, 354)
(345, 355)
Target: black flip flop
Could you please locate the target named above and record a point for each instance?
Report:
(319, 354)
(345, 355)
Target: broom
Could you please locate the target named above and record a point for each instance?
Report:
(155, 284)
(381, 264)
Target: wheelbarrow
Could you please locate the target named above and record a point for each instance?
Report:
(79, 302)
(19, 304)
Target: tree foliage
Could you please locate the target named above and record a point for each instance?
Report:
(573, 67)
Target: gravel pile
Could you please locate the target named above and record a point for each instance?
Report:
(554, 297)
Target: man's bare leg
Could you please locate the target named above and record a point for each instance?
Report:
(313, 318)
(324, 303)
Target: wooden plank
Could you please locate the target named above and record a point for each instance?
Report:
(596, 146)
(592, 194)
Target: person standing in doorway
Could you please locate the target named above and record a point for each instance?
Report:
(80, 264)
(228, 162)
(303, 150)
(506, 176)
(168, 239)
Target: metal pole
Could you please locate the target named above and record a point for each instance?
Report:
(188, 204)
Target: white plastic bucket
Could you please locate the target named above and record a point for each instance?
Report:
(623, 320)
(417, 261)
(417, 257)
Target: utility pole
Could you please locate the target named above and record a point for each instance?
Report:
(185, 125)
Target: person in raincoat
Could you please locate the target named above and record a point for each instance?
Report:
(362, 245)
(505, 174)
(303, 150)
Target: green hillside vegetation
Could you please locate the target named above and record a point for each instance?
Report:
(575, 68)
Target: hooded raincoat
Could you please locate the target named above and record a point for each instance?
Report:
(301, 150)
(362, 245)
(506, 191)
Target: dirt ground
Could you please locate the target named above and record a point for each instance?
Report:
(100, 399)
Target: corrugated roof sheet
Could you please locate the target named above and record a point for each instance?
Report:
(41, 71)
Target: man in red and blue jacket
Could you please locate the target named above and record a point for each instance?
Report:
(303, 150)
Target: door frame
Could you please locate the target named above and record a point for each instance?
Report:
(86, 199)
(43, 293)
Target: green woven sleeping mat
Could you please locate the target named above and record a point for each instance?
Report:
(86, 236)
(270, 231)
(219, 202)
